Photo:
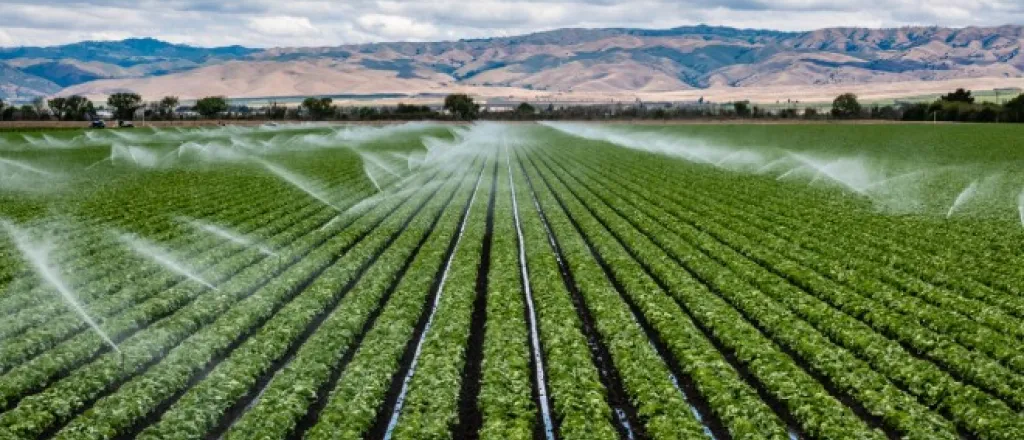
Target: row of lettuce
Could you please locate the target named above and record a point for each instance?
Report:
(718, 320)
(61, 344)
(80, 370)
(895, 359)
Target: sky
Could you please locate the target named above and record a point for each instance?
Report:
(283, 23)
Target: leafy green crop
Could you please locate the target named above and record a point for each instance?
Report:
(737, 281)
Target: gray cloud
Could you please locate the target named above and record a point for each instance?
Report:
(267, 23)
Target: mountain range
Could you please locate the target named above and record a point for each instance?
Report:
(572, 61)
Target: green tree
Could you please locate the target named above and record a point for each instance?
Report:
(960, 95)
(28, 112)
(368, 113)
(846, 106)
(166, 106)
(124, 104)
(742, 108)
(77, 108)
(412, 110)
(319, 108)
(787, 113)
(39, 107)
(211, 106)
(1014, 108)
(525, 108)
(3, 109)
(276, 111)
(461, 106)
(57, 107)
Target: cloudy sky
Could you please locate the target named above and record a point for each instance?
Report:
(268, 23)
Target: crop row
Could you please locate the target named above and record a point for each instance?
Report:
(504, 402)
(910, 330)
(839, 376)
(950, 340)
(357, 403)
(108, 263)
(147, 292)
(63, 359)
(907, 270)
(841, 328)
(665, 413)
(93, 242)
(199, 378)
(429, 407)
(141, 313)
(266, 379)
(305, 255)
(292, 394)
(742, 320)
(970, 261)
(114, 275)
(717, 387)
(93, 218)
(577, 396)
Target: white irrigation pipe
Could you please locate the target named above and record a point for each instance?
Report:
(542, 392)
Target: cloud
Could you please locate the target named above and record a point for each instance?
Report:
(266, 23)
(284, 26)
(5, 39)
(396, 27)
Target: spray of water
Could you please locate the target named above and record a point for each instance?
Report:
(962, 198)
(54, 142)
(20, 176)
(379, 162)
(738, 159)
(889, 190)
(14, 164)
(882, 185)
(359, 134)
(33, 141)
(395, 190)
(129, 136)
(373, 179)
(138, 156)
(162, 257)
(402, 158)
(227, 234)
(467, 141)
(790, 172)
(373, 166)
(854, 174)
(211, 152)
(1020, 207)
(37, 253)
(298, 182)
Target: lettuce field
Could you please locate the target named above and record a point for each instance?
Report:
(513, 281)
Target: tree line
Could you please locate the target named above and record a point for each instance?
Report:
(129, 106)
(959, 105)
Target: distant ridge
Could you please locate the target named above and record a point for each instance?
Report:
(579, 61)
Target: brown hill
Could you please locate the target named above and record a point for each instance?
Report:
(577, 62)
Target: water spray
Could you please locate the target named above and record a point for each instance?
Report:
(298, 182)
(226, 234)
(37, 253)
(163, 258)
(24, 166)
(1020, 207)
(963, 197)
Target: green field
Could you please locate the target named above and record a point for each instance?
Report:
(513, 281)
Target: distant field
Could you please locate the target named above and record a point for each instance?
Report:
(513, 281)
